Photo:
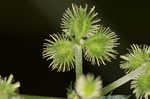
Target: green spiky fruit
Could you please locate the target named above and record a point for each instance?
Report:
(99, 47)
(138, 55)
(7, 86)
(141, 86)
(79, 21)
(61, 52)
(87, 87)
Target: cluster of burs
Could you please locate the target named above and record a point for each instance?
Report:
(83, 35)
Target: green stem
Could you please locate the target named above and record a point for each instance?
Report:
(78, 60)
(123, 80)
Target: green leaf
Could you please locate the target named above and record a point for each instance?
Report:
(115, 97)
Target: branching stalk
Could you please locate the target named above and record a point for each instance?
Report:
(78, 60)
(123, 80)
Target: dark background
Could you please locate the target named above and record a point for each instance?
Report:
(24, 24)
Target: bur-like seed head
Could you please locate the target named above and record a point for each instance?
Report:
(87, 87)
(79, 21)
(137, 56)
(61, 51)
(7, 85)
(100, 46)
(141, 86)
